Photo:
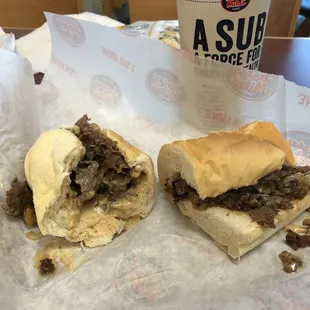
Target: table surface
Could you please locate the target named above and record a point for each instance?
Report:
(289, 57)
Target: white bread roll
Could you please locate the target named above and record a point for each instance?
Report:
(221, 162)
(48, 166)
(268, 132)
(234, 231)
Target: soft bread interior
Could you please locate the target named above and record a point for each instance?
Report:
(235, 232)
(48, 166)
(219, 162)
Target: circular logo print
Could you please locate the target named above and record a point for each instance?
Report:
(300, 143)
(165, 87)
(249, 84)
(105, 91)
(70, 30)
(137, 279)
(3, 105)
(147, 277)
(235, 5)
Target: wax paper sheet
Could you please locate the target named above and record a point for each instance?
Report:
(36, 46)
(151, 94)
(7, 41)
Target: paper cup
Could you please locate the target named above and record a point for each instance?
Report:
(230, 31)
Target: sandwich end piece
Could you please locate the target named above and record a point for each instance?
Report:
(89, 189)
(201, 176)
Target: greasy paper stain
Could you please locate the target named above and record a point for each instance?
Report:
(33, 235)
(60, 250)
(291, 263)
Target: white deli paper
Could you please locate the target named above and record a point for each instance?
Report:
(19, 125)
(143, 89)
(7, 41)
(36, 46)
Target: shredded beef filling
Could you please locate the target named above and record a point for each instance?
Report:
(296, 241)
(103, 170)
(262, 201)
(18, 198)
(47, 267)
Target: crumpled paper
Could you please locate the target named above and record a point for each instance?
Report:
(19, 116)
(145, 90)
(7, 41)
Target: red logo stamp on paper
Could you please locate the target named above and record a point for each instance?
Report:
(105, 91)
(70, 30)
(249, 84)
(150, 277)
(235, 5)
(300, 143)
(304, 99)
(165, 87)
(137, 280)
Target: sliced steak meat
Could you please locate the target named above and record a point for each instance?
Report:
(264, 216)
(296, 241)
(262, 201)
(17, 198)
(289, 182)
(181, 188)
(116, 183)
(47, 267)
(103, 169)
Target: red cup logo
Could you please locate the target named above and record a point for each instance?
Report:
(300, 143)
(249, 84)
(69, 30)
(165, 87)
(105, 91)
(235, 5)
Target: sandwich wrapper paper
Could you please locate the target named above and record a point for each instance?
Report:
(151, 94)
(36, 46)
(7, 41)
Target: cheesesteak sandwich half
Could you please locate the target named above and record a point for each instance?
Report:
(240, 187)
(88, 184)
